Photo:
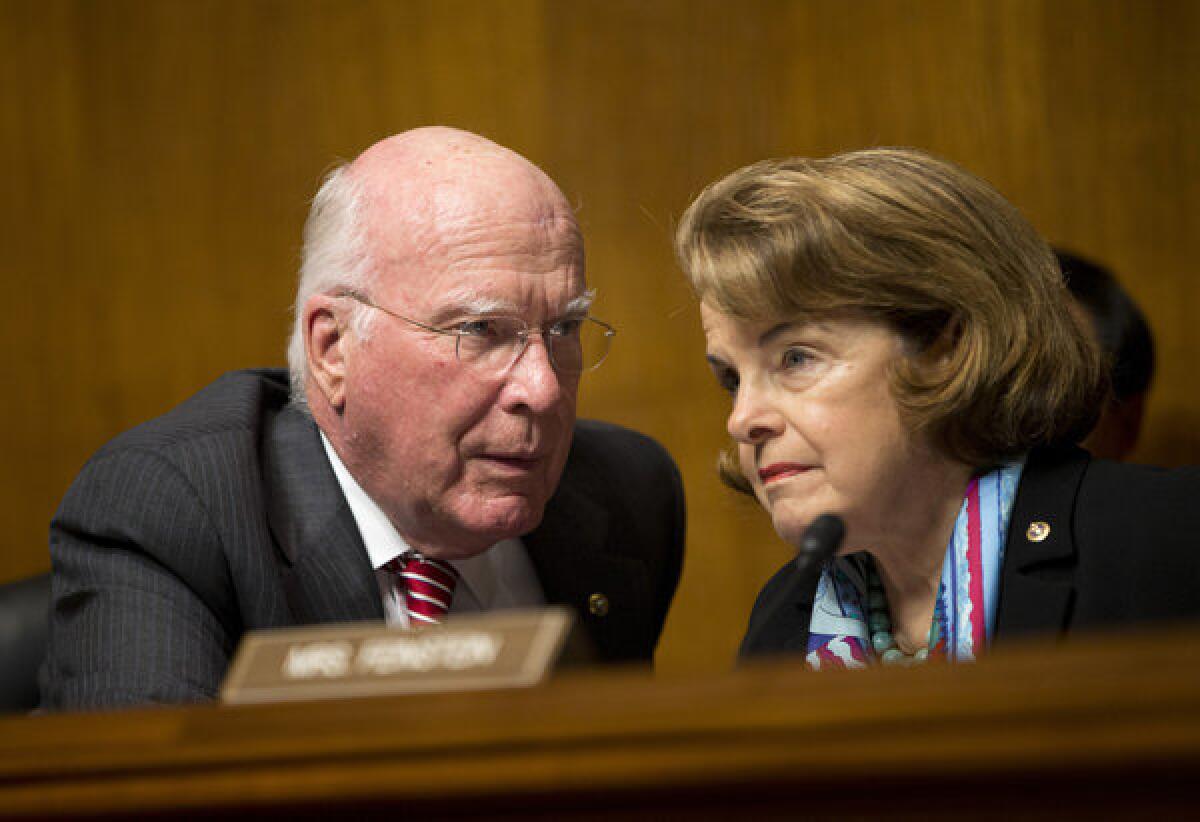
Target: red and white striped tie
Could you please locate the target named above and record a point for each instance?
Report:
(427, 586)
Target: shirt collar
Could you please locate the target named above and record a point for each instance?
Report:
(381, 538)
(384, 543)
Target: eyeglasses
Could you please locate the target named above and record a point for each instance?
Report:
(493, 343)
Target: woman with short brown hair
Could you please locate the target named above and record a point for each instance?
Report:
(896, 342)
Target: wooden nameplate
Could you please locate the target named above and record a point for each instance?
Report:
(503, 649)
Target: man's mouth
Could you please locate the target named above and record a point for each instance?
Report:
(516, 461)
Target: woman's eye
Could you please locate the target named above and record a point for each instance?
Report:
(728, 380)
(795, 358)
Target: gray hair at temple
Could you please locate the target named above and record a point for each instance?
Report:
(334, 256)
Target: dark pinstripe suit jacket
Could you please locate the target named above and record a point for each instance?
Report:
(224, 516)
(1123, 548)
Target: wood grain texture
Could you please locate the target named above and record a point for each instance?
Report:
(161, 154)
(1096, 729)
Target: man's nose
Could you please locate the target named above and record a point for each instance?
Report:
(532, 381)
(754, 417)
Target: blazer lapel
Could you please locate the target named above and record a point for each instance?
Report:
(328, 578)
(780, 620)
(579, 564)
(1037, 584)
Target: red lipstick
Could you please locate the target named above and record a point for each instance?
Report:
(780, 470)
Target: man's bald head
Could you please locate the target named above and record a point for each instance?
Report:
(450, 413)
(417, 183)
(436, 166)
(388, 209)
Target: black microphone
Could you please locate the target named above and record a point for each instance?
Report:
(820, 541)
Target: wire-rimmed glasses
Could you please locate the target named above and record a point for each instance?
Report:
(492, 343)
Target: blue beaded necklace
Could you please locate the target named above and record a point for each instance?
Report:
(851, 623)
(879, 623)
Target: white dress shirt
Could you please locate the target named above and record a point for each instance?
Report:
(500, 577)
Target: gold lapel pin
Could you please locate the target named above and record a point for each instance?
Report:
(598, 604)
(1037, 531)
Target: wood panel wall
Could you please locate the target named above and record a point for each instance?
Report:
(159, 156)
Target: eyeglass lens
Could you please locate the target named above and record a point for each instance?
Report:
(583, 348)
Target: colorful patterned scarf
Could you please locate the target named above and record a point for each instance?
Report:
(965, 614)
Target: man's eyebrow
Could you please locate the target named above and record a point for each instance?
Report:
(582, 303)
(457, 303)
(486, 305)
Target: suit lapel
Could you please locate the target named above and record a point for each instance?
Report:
(580, 565)
(780, 620)
(1038, 583)
(799, 619)
(328, 578)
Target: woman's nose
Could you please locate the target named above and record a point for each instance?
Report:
(753, 418)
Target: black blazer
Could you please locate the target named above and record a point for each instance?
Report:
(225, 516)
(1123, 548)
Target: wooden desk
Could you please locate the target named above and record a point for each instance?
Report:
(1104, 727)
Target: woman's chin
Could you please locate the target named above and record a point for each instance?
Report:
(791, 528)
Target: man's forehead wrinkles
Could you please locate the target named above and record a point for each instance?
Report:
(423, 240)
(471, 299)
(474, 227)
(482, 251)
(486, 201)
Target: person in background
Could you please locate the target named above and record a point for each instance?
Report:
(1124, 337)
(423, 459)
(895, 341)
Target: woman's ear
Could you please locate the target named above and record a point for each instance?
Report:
(940, 350)
(326, 338)
(929, 354)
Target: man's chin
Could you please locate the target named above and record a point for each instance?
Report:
(506, 517)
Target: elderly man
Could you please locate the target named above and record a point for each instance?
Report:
(428, 455)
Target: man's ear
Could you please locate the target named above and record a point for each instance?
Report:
(326, 338)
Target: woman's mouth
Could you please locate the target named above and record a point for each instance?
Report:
(780, 470)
